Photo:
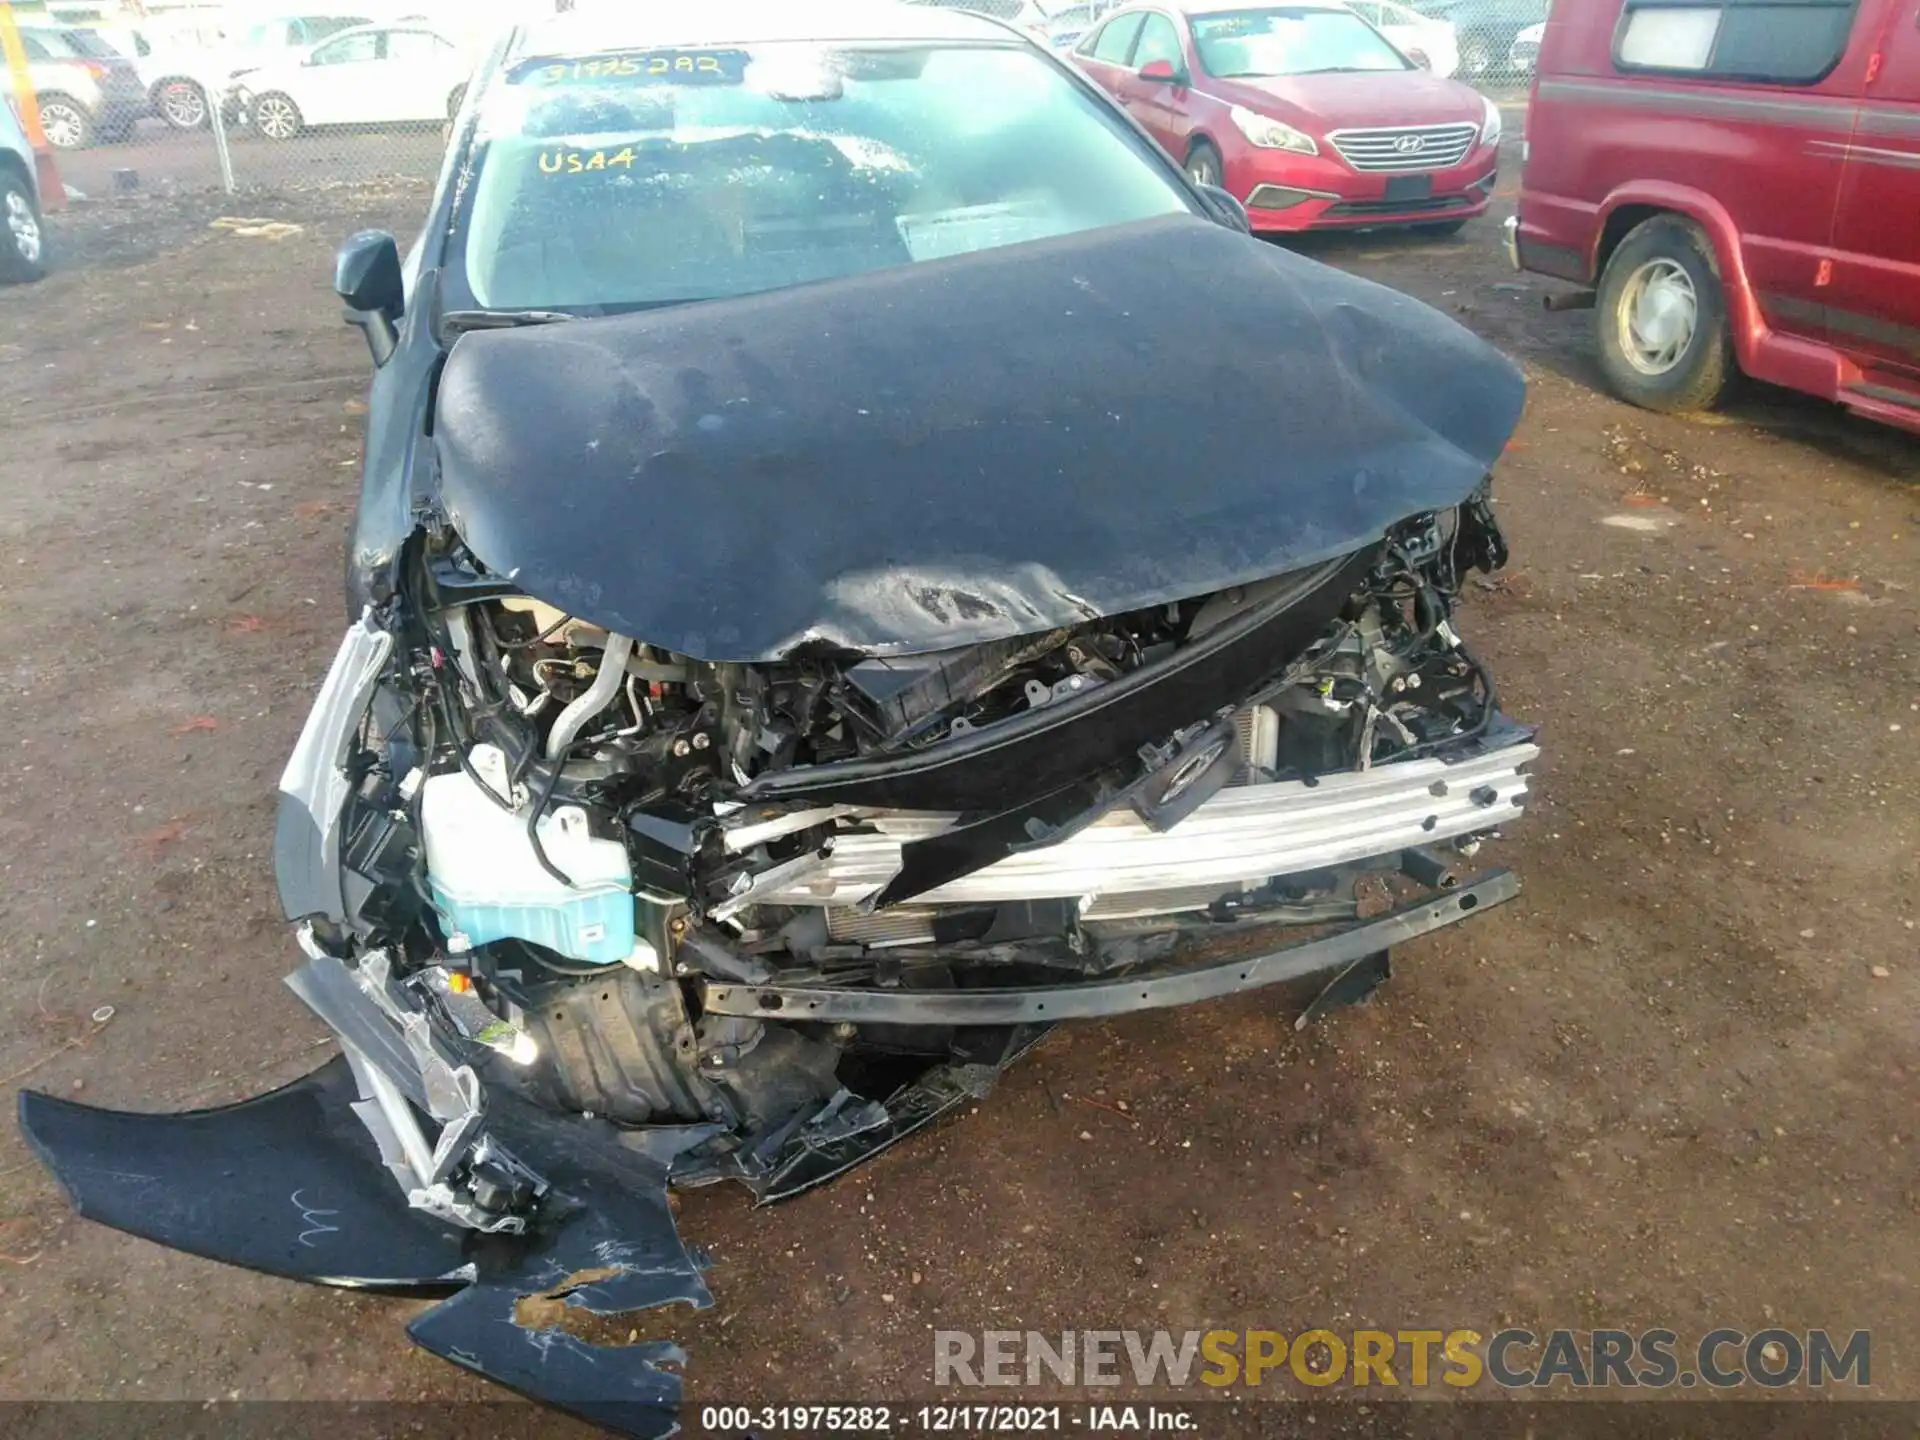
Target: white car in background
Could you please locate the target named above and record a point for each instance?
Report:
(1029, 15)
(176, 64)
(1524, 53)
(1067, 24)
(185, 63)
(371, 75)
(1429, 42)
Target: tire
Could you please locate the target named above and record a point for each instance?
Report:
(1662, 317)
(68, 123)
(1203, 164)
(1476, 58)
(181, 103)
(1439, 229)
(23, 238)
(276, 116)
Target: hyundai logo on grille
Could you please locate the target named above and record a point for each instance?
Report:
(1410, 144)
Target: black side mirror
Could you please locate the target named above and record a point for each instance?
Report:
(366, 277)
(1225, 208)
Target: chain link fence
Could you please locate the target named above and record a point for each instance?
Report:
(254, 96)
(146, 97)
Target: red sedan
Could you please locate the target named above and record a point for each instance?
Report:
(1305, 112)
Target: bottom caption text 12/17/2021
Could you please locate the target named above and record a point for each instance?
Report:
(1120, 1418)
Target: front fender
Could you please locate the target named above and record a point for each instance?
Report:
(315, 785)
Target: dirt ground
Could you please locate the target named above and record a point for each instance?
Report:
(1674, 1084)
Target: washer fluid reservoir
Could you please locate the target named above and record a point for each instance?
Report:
(488, 884)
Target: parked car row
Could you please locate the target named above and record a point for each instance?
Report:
(1487, 30)
(1659, 141)
(286, 73)
(95, 84)
(85, 89)
(1429, 41)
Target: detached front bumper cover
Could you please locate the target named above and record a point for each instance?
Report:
(290, 1183)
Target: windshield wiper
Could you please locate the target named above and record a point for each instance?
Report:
(456, 322)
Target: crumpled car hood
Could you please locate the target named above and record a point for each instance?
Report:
(966, 449)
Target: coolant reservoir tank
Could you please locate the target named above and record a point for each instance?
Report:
(488, 884)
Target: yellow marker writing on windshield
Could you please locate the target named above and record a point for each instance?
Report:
(578, 162)
(623, 66)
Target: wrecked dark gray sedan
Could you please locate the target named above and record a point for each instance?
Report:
(859, 561)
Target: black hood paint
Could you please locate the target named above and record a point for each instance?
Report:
(963, 450)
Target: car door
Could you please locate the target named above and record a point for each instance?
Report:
(1873, 303)
(1104, 54)
(1399, 25)
(425, 69)
(1383, 20)
(1160, 107)
(343, 82)
(320, 27)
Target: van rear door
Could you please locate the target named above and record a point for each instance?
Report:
(1873, 304)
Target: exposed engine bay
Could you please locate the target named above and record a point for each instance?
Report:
(557, 832)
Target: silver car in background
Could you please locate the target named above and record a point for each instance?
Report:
(23, 244)
(86, 89)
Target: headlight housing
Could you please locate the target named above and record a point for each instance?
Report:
(1271, 134)
(1490, 125)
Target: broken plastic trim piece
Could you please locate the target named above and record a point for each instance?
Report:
(401, 1070)
(607, 1246)
(850, 1131)
(1086, 1001)
(290, 1184)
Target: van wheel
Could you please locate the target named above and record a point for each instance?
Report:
(1664, 339)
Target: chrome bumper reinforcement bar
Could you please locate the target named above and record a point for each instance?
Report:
(1248, 833)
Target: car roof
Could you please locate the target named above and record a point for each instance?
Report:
(1215, 7)
(373, 25)
(680, 23)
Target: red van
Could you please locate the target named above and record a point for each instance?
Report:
(1738, 184)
